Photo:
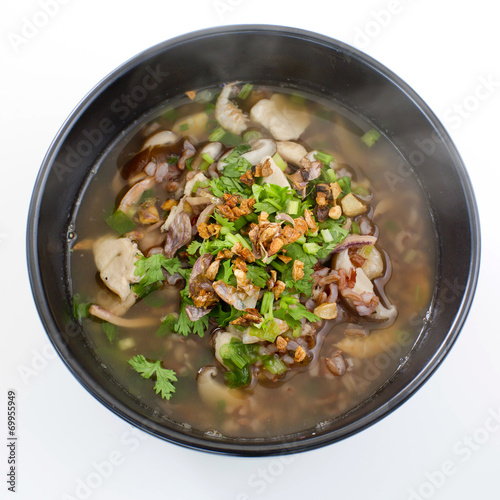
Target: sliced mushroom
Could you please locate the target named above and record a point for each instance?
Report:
(160, 138)
(291, 152)
(260, 149)
(194, 126)
(129, 202)
(115, 260)
(285, 121)
(212, 149)
(379, 341)
(336, 363)
(212, 393)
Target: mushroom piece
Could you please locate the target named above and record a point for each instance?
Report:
(115, 260)
(128, 204)
(378, 342)
(212, 149)
(373, 266)
(336, 363)
(105, 315)
(189, 152)
(291, 152)
(260, 149)
(285, 121)
(212, 392)
(228, 114)
(193, 125)
(160, 138)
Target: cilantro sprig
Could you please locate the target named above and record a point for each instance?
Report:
(163, 376)
(151, 270)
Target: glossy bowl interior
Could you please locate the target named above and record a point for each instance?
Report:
(276, 56)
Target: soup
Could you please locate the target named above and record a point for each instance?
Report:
(247, 261)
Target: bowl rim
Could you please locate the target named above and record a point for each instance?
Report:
(268, 448)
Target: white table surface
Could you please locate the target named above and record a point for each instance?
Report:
(444, 443)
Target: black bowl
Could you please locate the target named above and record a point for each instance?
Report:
(270, 55)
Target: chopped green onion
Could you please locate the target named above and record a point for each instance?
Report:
(245, 91)
(327, 236)
(301, 240)
(370, 137)
(330, 175)
(274, 364)
(217, 134)
(203, 166)
(207, 158)
(244, 242)
(365, 251)
(311, 248)
(355, 227)
(292, 207)
(280, 162)
(120, 222)
(274, 203)
(251, 135)
(323, 157)
(238, 360)
(297, 331)
(279, 267)
(237, 238)
(184, 126)
(361, 191)
(188, 163)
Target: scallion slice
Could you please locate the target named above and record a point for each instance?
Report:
(370, 137)
(245, 91)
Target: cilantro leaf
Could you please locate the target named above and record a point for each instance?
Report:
(296, 252)
(257, 275)
(185, 326)
(224, 317)
(164, 377)
(193, 247)
(301, 286)
(220, 219)
(229, 185)
(226, 273)
(150, 268)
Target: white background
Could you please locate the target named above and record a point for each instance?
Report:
(445, 52)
